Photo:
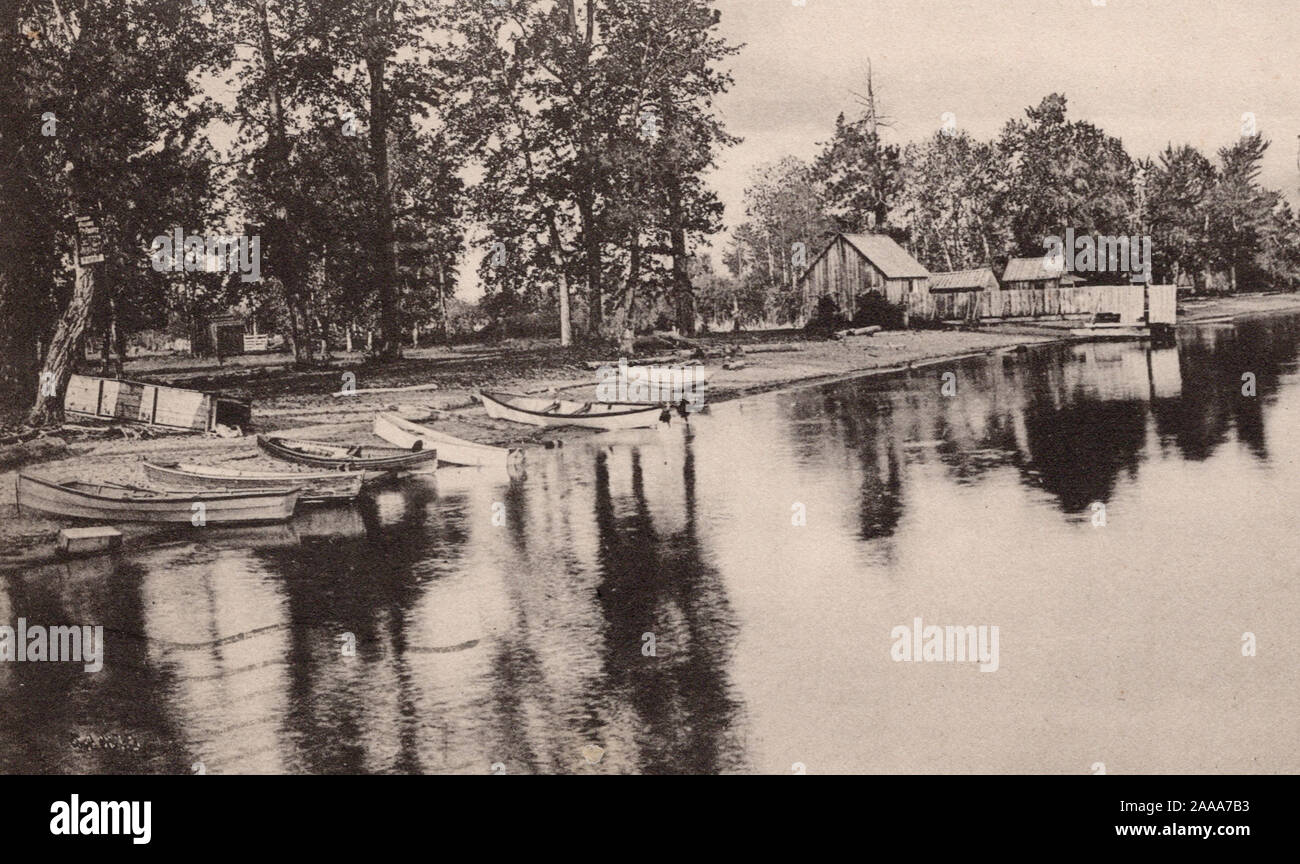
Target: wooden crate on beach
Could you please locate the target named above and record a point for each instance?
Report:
(154, 405)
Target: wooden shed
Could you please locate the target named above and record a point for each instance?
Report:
(1031, 288)
(853, 264)
(220, 335)
(954, 296)
(1030, 273)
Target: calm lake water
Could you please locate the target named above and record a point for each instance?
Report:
(648, 593)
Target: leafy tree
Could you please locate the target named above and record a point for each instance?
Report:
(1178, 186)
(119, 76)
(1240, 210)
(785, 227)
(861, 175)
(1062, 174)
(951, 187)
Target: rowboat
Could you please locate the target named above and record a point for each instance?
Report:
(113, 502)
(343, 457)
(558, 412)
(651, 384)
(316, 486)
(399, 431)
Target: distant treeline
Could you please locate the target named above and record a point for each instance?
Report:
(957, 203)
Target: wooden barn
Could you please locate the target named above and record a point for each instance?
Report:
(853, 264)
(955, 296)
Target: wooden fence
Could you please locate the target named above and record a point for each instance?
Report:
(1080, 301)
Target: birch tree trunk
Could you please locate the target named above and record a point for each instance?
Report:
(61, 360)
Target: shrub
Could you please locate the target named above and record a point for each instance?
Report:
(826, 318)
(874, 310)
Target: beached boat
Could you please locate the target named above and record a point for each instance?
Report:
(545, 411)
(651, 384)
(399, 431)
(344, 457)
(117, 503)
(316, 486)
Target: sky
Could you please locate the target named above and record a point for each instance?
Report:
(1149, 72)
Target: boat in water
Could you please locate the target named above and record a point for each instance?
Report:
(349, 457)
(118, 503)
(546, 411)
(316, 487)
(399, 431)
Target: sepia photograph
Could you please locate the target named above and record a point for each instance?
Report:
(650, 387)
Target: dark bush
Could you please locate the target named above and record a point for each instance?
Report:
(873, 310)
(826, 319)
(523, 325)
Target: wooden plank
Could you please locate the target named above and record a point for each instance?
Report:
(81, 541)
(139, 403)
(183, 409)
(82, 395)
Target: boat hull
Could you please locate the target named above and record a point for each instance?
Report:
(316, 487)
(403, 433)
(607, 416)
(108, 504)
(336, 457)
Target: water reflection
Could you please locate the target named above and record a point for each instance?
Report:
(718, 598)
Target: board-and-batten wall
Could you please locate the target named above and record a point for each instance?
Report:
(844, 273)
(945, 305)
(1127, 300)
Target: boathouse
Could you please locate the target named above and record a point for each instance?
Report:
(954, 296)
(1027, 273)
(853, 264)
(1032, 288)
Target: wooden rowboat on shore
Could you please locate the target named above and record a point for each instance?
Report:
(546, 411)
(343, 457)
(316, 486)
(116, 503)
(399, 431)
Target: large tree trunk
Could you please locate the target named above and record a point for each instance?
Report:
(591, 247)
(383, 249)
(557, 260)
(65, 351)
(633, 280)
(284, 255)
(683, 295)
(442, 300)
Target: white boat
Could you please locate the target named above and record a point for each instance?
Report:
(116, 503)
(400, 432)
(545, 411)
(652, 384)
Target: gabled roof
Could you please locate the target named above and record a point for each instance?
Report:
(980, 279)
(1029, 270)
(888, 257)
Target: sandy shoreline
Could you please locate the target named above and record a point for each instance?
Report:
(303, 404)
